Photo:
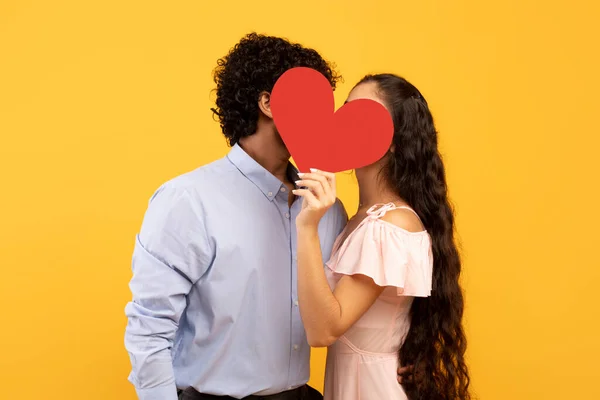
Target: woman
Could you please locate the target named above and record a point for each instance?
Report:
(390, 293)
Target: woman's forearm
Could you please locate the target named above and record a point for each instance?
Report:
(319, 308)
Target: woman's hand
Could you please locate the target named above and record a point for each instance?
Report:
(318, 195)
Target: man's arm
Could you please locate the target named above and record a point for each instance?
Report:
(171, 254)
(341, 217)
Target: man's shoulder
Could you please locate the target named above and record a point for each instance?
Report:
(197, 183)
(200, 178)
(339, 211)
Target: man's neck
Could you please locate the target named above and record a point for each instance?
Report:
(269, 153)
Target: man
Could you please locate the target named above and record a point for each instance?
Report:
(214, 310)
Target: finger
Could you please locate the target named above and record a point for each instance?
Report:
(308, 195)
(404, 370)
(313, 177)
(404, 379)
(314, 186)
(330, 176)
(319, 178)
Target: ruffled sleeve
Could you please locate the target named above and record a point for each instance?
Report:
(389, 255)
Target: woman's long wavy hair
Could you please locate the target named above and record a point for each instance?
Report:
(435, 344)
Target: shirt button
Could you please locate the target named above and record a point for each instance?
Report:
(282, 189)
(295, 347)
(287, 215)
(270, 194)
(296, 303)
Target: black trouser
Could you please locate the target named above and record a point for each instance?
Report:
(302, 393)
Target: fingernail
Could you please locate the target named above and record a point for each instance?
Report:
(300, 174)
(298, 183)
(314, 170)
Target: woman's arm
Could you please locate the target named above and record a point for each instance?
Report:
(326, 314)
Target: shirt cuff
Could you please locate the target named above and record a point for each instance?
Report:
(167, 392)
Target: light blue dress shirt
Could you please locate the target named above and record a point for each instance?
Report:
(215, 285)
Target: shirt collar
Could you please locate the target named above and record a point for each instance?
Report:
(257, 174)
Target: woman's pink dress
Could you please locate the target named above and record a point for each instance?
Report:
(363, 363)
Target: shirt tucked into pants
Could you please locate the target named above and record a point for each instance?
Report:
(302, 393)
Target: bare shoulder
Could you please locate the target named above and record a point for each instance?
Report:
(405, 219)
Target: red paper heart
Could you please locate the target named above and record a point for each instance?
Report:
(358, 134)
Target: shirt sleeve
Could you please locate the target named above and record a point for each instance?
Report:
(341, 217)
(171, 253)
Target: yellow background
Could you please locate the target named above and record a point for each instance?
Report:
(102, 101)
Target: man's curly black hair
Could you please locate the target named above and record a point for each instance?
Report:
(252, 67)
